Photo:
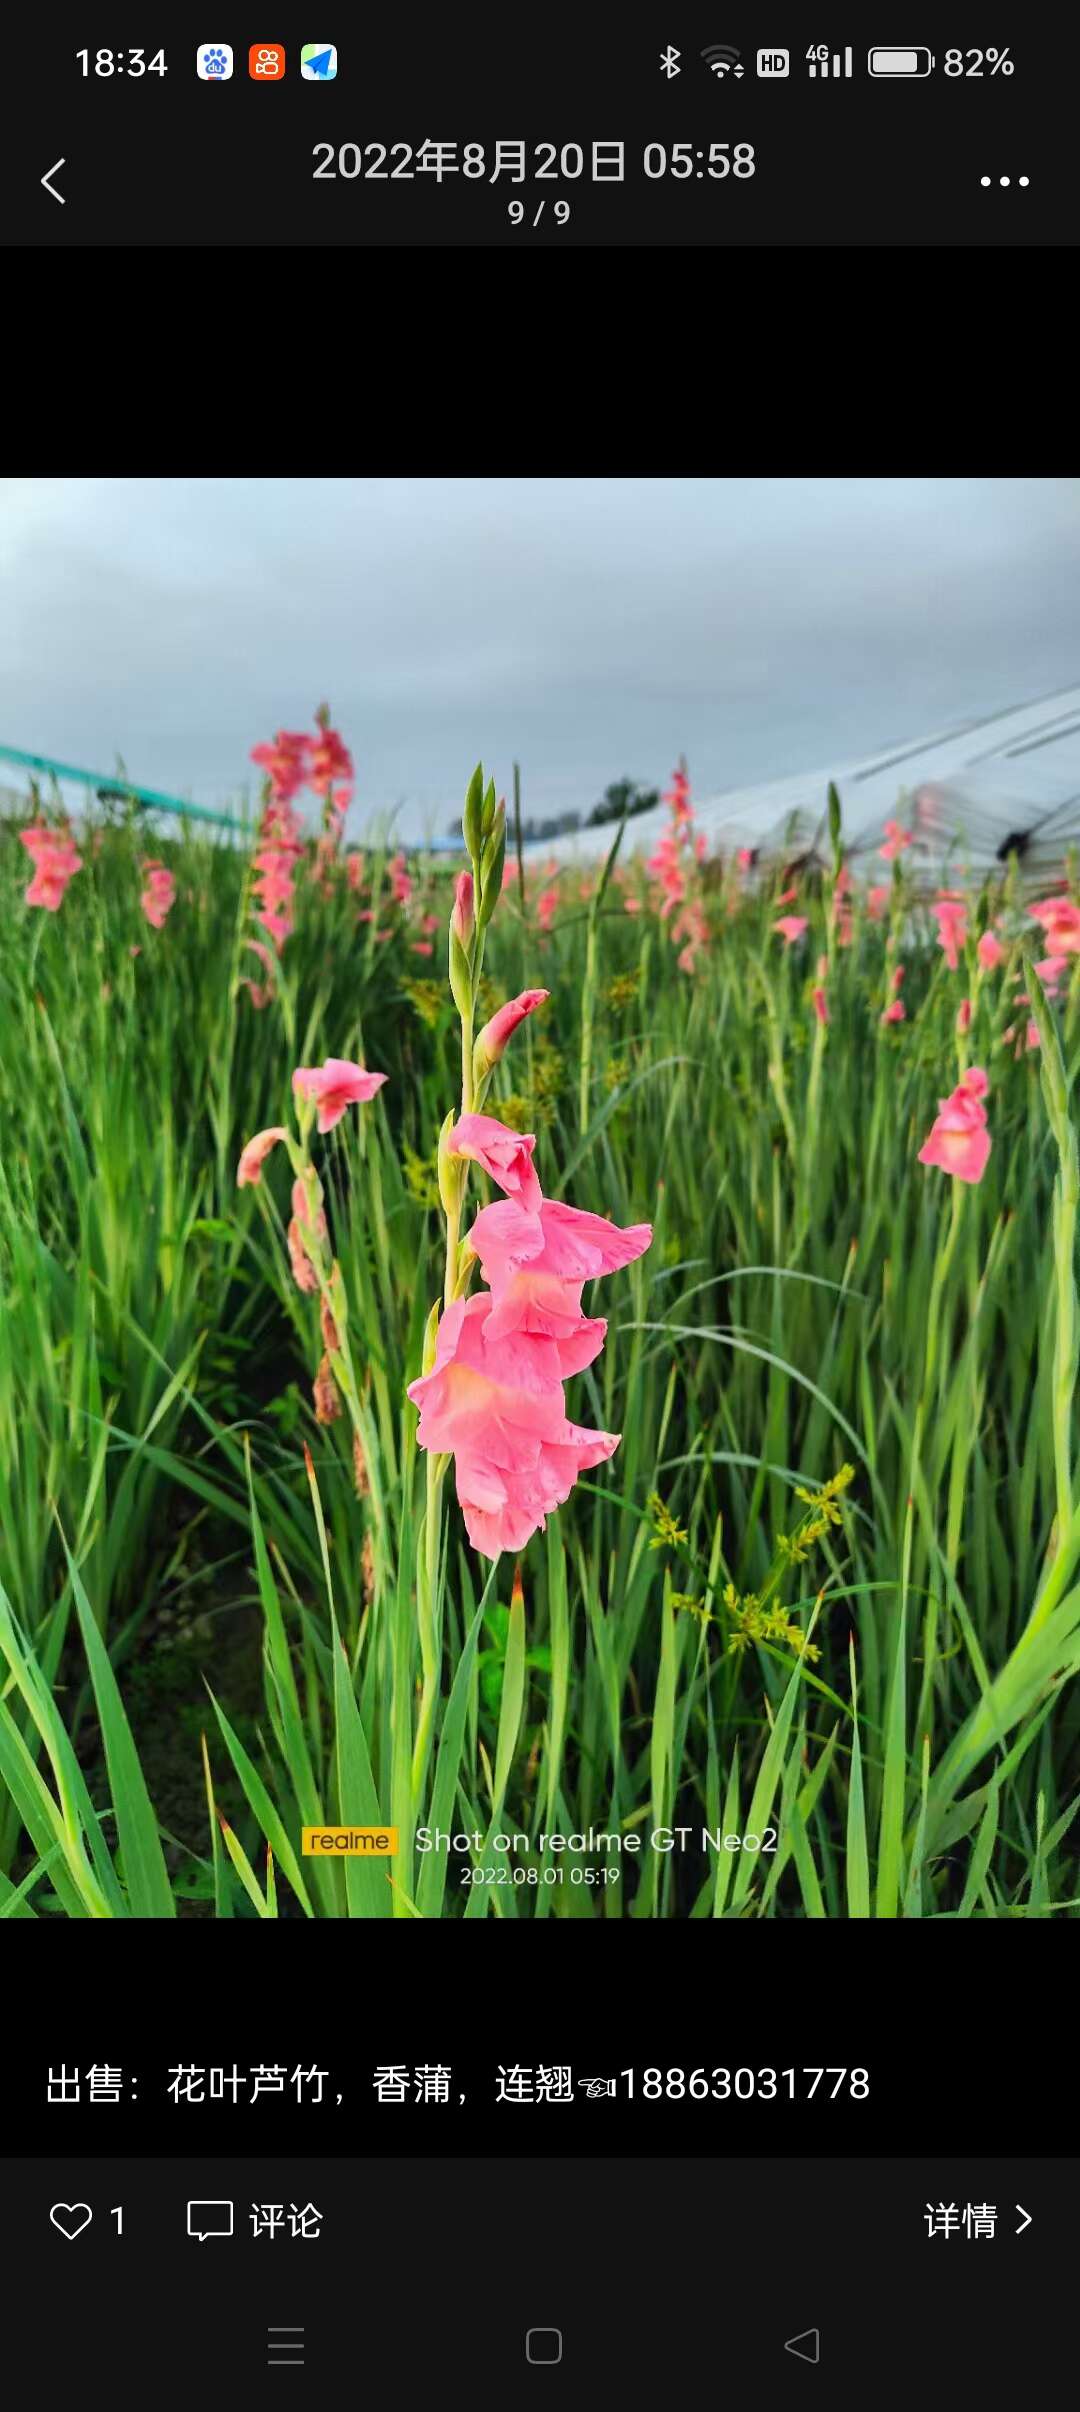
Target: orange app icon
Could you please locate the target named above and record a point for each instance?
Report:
(266, 62)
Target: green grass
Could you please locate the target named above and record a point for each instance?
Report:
(813, 1298)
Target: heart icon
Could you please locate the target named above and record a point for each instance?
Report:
(71, 2218)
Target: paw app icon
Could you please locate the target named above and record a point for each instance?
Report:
(213, 62)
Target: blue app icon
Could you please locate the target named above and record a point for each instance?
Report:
(214, 62)
(318, 62)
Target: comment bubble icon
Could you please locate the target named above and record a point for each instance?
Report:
(209, 2219)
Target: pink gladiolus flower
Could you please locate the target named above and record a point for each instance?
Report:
(497, 1403)
(820, 1007)
(1033, 1037)
(560, 1239)
(547, 906)
(1050, 971)
(1061, 921)
(701, 845)
(876, 901)
(959, 1142)
(963, 1018)
(422, 946)
(896, 838)
(329, 759)
(506, 1155)
(690, 923)
(55, 861)
(496, 1034)
(789, 896)
(990, 951)
(482, 1394)
(285, 762)
(279, 925)
(336, 1084)
(254, 1155)
(951, 918)
(897, 980)
(159, 895)
(745, 858)
(632, 904)
(354, 870)
(893, 1012)
(791, 926)
(677, 796)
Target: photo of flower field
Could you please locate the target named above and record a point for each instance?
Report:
(560, 1351)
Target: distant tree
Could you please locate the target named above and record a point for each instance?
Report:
(623, 795)
(628, 792)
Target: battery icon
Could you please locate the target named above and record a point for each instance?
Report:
(900, 62)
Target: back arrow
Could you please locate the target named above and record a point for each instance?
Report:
(807, 2345)
(1025, 2222)
(57, 163)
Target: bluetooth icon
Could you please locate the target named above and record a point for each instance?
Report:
(669, 62)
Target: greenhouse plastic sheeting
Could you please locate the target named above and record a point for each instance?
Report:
(971, 792)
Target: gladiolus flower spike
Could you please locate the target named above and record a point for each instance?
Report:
(490, 1391)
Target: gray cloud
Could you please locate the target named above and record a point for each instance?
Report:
(585, 627)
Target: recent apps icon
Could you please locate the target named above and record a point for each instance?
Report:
(213, 61)
(318, 62)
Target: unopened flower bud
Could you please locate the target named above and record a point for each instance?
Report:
(497, 1033)
(431, 1334)
(450, 1170)
(303, 1271)
(463, 917)
(327, 1394)
(339, 1304)
(461, 975)
(491, 867)
(472, 819)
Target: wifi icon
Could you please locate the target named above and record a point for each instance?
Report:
(722, 59)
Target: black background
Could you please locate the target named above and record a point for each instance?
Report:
(963, 2028)
(170, 161)
(667, 2280)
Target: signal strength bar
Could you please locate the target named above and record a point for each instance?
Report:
(821, 63)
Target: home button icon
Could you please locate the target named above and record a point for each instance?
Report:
(543, 2344)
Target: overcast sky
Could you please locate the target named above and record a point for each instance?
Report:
(585, 627)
